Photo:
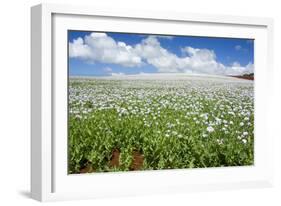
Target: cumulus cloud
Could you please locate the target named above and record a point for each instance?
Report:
(107, 69)
(237, 69)
(238, 47)
(202, 61)
(151, 51)
(99, 47)
(79, 50)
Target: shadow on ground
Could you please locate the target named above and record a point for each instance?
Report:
(25, 193)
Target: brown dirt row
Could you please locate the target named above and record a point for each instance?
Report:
(137, 162)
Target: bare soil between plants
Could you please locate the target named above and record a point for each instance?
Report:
(137, 162)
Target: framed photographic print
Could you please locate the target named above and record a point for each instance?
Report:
(134, 102)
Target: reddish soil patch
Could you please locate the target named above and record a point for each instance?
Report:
(114, 160)
(137, 161)
(245, 77)
(87, 169)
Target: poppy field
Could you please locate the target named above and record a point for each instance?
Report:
(154, 122)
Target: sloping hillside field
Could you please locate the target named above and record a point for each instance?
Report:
(160, 121)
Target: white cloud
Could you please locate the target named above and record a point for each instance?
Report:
(249, 68)
(97, 35)
(236, 64)
(107, 69)
(203, 61)
(99, 47)
(163, 36)
(238, 47)
(237, 69)
(195, 60)
(117, 74)
(151, 51)
(77, 49)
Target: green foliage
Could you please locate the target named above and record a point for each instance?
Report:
(173, 127)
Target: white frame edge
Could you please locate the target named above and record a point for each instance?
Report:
(40, 96)
(42, 87)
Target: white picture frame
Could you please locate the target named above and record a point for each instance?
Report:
(49, 179)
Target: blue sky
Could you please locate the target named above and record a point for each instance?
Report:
(100, 54)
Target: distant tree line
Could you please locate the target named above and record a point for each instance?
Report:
(248, 75)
